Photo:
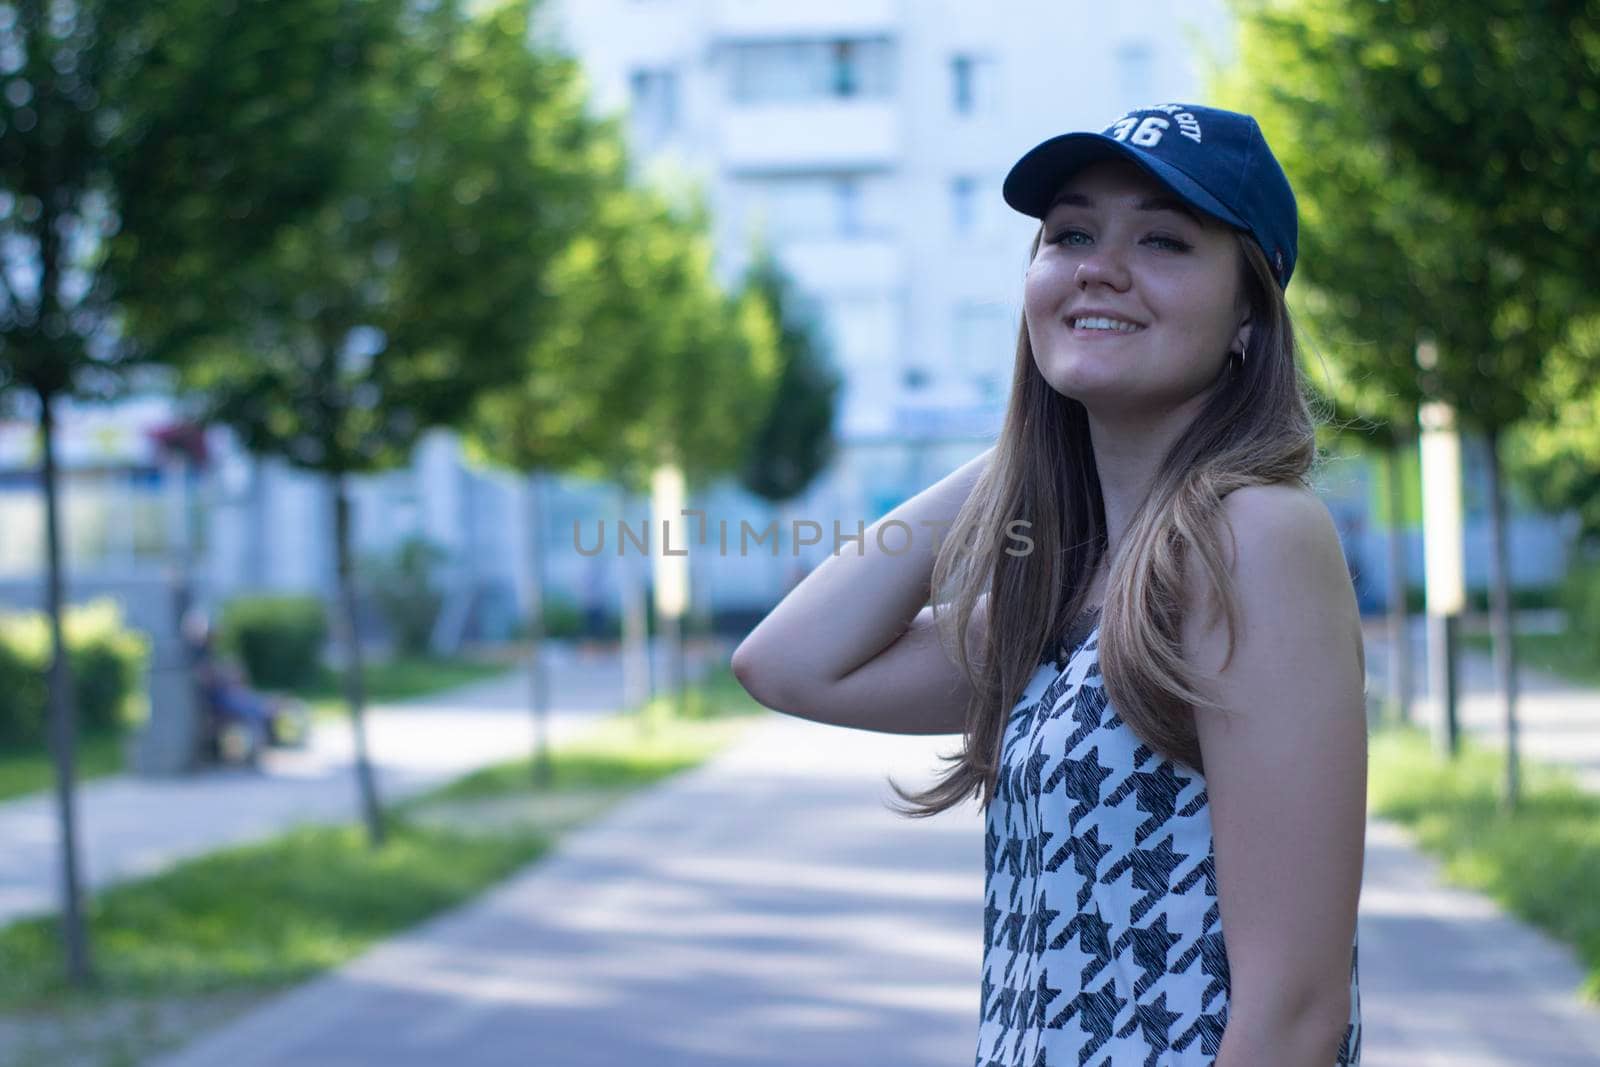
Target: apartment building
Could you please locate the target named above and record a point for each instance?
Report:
(865, 141)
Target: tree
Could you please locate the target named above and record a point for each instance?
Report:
(574, 390)
(1493, 104)
(647, 362)
(1557, 460)
(393, 307)
(145, 149)
(794, 442)
(712, 393)
(1355, 292)
(1496, 311)
(1477, 99)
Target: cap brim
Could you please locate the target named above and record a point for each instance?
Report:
(1034, 180)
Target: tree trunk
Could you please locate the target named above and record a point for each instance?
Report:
(355, 692)
(1399, 615)
(1500, 620)
(538, 677)
(674, 627)
(636, 688)
(63, 719)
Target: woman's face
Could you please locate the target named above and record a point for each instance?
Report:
(1118, 245)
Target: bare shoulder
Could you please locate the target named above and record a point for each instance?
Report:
(1288, 572)
(1277, 521)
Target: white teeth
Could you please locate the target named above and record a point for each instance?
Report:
(1104, 324)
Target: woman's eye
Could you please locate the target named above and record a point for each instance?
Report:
(1069, 237)
(1171, 244)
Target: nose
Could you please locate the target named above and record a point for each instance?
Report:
(1101, 267)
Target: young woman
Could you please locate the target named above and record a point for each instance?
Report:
(1140, 621)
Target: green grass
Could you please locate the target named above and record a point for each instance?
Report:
(399, 679)
(250, 920)
(628, 750)
(30, 770)
(264, 914)
(1541, 863)
(1571, 655)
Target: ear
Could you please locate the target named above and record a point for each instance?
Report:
(1241, 337)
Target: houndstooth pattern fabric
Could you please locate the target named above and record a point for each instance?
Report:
(1103, 940)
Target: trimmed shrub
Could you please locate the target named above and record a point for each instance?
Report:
(279, 639)
(107, 661)
(1580, 596)
(562, 618)
(403, 588)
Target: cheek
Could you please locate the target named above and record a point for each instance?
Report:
(1044, 285)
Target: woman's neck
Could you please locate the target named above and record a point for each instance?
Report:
(1128, 451)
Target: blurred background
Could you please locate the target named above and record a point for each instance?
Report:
(354, 351)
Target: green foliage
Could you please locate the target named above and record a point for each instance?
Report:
(279, 639)
(563, 620)
(1496, 103)
(645, 359)
(106, 660)
(406, 593)
(1541, 863)
(149, 148)
(394, 304)
(1353, 292)
(1389, 252)
(1556, 460)
(794, 442)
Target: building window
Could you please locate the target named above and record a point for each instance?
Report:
(821, 205)
(654, 103)
(984, 343)
(1134, 73)
(793, 71)
(847, 207)
(964, 205)
(971, 84)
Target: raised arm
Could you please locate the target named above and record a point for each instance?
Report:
(1285, 768)
(853, 644)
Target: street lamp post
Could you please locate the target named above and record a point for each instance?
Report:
(1442, 551)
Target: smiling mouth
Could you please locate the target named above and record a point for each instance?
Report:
(1101, 325)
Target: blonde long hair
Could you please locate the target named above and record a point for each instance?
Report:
(1255, 428)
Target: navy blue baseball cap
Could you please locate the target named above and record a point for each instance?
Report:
(1217, 161)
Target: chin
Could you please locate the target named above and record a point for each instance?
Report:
(1085, 381)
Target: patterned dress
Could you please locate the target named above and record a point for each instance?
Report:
(1103, 940)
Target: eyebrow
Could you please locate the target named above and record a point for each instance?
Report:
(1149, 203)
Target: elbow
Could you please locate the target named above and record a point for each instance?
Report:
(743, 665)
(751, 670)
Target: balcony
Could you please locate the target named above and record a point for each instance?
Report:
(855, 265)
(815, 18)
(810, 135)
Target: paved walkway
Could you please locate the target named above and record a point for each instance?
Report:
(1559, 720)
(133, 826)
(767, 911)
